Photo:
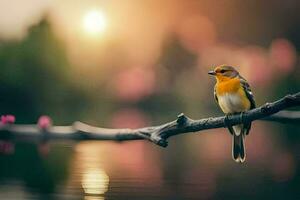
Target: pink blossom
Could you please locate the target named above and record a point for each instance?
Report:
(8, 119)
(44, 122)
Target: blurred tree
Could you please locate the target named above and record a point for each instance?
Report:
(175, 58)
(34, 77)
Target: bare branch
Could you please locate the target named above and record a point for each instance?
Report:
(284, 116)
(157, 134)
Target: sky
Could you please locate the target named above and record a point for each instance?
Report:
(136, 25)
(257, 33)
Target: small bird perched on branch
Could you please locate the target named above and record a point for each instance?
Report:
(233, 94)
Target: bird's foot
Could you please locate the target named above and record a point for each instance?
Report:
(242, 116)
(226, 120)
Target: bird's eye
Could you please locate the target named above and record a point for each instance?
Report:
(222, 70)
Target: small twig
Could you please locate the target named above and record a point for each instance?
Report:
(157, 134)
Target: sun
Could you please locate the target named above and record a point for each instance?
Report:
(94, 22)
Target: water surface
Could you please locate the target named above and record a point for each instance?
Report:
(194, 166)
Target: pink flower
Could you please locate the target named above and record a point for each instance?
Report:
(8, 119)
(44, 122)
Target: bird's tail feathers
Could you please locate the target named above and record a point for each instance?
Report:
(238, 148)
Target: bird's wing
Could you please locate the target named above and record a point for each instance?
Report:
(248, 92)
(250, 97)
(215, 94)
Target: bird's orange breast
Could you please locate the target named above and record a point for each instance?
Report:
(227, 85)
(231, 95)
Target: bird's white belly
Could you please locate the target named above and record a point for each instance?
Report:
(231, 103)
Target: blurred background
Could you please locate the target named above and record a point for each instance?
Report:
(137, 63)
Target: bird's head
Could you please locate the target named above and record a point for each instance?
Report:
(224, 72)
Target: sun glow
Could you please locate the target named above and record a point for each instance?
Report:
(94, 22)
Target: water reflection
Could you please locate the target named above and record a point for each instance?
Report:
(93, 198)
(89, 177)
(95, 181)
(6, 147)
(194, 166)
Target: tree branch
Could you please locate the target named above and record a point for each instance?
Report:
(156, 134)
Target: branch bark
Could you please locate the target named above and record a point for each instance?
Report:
(157, 134)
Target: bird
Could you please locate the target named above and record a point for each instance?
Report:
(233, 95)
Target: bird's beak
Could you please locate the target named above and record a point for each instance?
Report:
(212, 73)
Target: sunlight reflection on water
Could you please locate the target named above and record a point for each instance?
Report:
(95, 181)
(93, 178)
(93, 198)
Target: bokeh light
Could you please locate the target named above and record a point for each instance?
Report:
(94, 22)
(95, 181)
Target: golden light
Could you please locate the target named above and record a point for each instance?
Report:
(95, 181)
(94, 22)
